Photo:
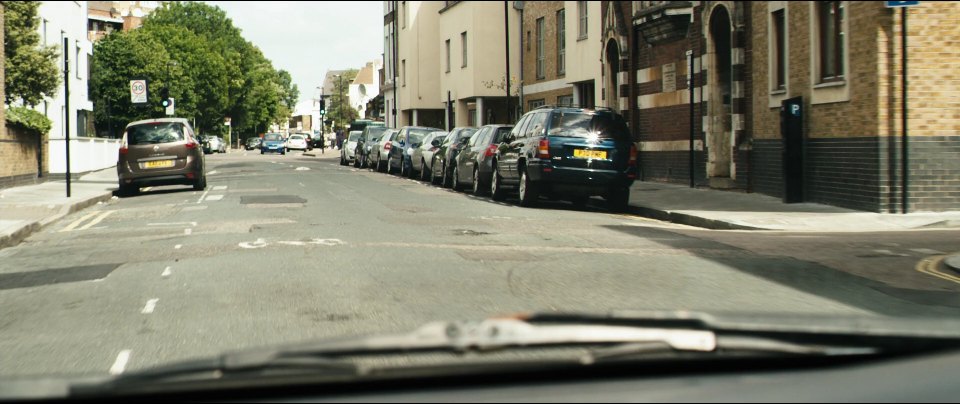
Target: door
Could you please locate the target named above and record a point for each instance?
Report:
(720, 107)
(469, 154)
(510, 151)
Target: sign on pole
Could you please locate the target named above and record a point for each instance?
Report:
(138, 91)
(171, 106)
(894, 4)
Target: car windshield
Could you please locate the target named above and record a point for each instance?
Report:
(154, 133)
(190, 180)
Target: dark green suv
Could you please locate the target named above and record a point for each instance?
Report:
(567, 153)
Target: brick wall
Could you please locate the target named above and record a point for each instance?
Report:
(547, 10)
(18, 157)
(548, 97)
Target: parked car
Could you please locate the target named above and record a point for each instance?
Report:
(296, 142)
(382, 149)
(474, 163)
(253, 143)
(161, 151)
(348, 153)
(442, 173)
(400, 157)
(317, 140)
(570, 153)
(273, 143)
(423, 155)
(366, 143)
(213, 144)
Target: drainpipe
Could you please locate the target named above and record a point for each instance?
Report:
(690, 88)
(903, 100)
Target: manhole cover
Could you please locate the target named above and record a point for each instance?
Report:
(271, 199)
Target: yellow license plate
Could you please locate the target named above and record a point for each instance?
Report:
(158, 164)
(589, 154)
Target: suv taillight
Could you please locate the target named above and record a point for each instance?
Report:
(491, 150)
(633, 156)
(388, 146)
(543, 150)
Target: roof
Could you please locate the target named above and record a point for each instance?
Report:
(328, 86)
(365, 75)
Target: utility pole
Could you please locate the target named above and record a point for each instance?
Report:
(66, 105)
(506, 31)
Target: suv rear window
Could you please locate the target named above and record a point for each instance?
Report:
(271, 136)
(155, 133)
(416, 135)
(583, 124)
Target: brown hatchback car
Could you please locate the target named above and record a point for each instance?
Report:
(161, 151)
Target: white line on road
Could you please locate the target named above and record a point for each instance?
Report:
(166, 272)
(219, 187)
(303, 168)
(121, 363)
(194, 224)
(77, 222)
(97, 220)
(301, 184)
(927, 251)
(212, 172)
(204, 195)
(214, 198)
(151, 305)
(178, 246)
(187, 231)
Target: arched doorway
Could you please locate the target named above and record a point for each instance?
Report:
(720, 108)
(611, 80)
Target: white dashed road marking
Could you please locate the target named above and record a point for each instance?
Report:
(212, 172)
(187, 231)
(303, 168)
(194, 224)
(204, 195)
(927, 251)
(219, 187)
(99, 219)
(77, 222)
(150, 307)
(121, 363)
(166, 272)
(214, 198)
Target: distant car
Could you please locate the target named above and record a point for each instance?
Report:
(423, 155)
(273, 143)
(474, 163)
(401, 152)
(442, 173)
(160, 152)
(348, 153)
(317, 140)
(253, 143)
(366, 143)
(569, 153)
(382, 149)
(297, 142)
(213, 144)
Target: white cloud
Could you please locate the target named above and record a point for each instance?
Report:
(308, 38)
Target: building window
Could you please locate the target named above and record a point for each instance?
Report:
(582, 18)
(448, 55)
(528, 41)
(463, 46)
(403, 72)
(534, 104)
(540, 57)
(780, 50)
(565, 100)
(76, 60)
(830, 18)
(403, 14)
(561, 42)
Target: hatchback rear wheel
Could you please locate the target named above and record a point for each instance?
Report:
(496, 185)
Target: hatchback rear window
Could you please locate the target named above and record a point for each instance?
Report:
(416, 135)
(580, 124)
(501, 133)
(272, 136)
(155, 133)
(353, 137)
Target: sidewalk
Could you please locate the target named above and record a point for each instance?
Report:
(728, 210)
(27, 209)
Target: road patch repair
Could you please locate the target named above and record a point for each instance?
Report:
(272, 201)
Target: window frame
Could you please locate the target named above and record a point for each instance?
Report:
(463, 50)
(541, 54)
(582, 20)
(779, 33)
(448, 55)
(836, 42)
(403, 73)
(561, 42)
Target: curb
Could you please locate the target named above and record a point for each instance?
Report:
(953, 262)
(19, 235)
(689, 220)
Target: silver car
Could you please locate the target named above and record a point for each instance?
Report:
(348, 153)
(422, 159)
(380, 152)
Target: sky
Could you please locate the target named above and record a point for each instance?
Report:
(308, 38)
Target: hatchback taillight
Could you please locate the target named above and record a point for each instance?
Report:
(388, 146)
(543, 150)
(192, 145)
(124, 150)
(633, 155)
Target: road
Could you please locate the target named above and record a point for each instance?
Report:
(282, 249)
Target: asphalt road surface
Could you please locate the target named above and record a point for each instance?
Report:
(283, 249)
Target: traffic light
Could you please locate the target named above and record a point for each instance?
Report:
(323, 109)
(165, 98)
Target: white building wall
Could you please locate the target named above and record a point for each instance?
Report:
(68, 19)
(584, 56)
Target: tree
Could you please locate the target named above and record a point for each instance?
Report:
(31, 69)
(339, 109)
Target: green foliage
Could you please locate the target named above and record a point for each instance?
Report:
(338, 108)
(211, 71)
(31, 70)
(29, 119)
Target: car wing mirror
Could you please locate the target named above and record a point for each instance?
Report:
(435, 143)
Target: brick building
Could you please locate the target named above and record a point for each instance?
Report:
(561, 45)
(842, 58)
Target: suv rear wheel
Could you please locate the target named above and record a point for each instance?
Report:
(529, 191)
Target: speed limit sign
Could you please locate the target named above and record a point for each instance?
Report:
(138, 91)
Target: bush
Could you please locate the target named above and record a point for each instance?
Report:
(28, 119)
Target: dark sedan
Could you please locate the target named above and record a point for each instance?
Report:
(400, 156)
(474, 163)
(443, 166)
(366, 145)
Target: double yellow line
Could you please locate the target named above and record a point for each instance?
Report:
(96, 220)
(931, 265)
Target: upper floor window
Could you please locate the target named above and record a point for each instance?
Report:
(779, 32)
(540, 52)
(582, 18)
(463, 47)
(830, 16)
(561, 42)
